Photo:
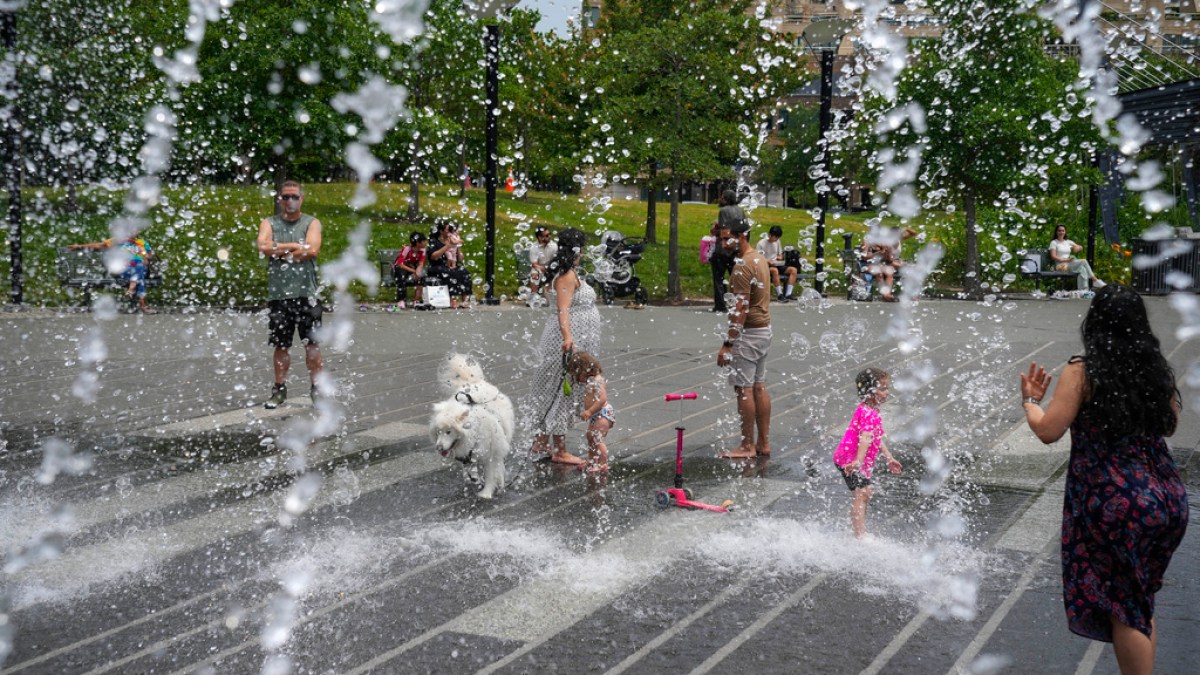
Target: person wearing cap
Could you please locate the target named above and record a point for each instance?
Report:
(748, 340)
(722, 261)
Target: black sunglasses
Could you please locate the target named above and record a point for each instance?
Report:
(290, 197)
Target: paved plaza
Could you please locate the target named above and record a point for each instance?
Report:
(186, 531)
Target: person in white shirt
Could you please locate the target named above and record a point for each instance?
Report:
(541, 253)
(1062, 252)
(772, 250)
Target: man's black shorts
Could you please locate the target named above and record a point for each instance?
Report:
(292, 315)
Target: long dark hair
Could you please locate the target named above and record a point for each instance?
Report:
(1131, 387)
(570, 245)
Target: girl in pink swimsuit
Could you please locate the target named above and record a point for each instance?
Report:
(862, 443)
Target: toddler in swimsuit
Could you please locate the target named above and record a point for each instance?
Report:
(597, 411)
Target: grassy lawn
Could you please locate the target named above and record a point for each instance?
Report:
(193, 224)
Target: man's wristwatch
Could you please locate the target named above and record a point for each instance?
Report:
(1031, 399)
(727, 344)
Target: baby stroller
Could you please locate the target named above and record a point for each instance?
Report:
(614, 273)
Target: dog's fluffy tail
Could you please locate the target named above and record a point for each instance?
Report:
(457, 371)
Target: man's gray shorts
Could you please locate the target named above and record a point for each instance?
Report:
(750, 357)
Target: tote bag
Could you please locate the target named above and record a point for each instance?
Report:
(438, 296)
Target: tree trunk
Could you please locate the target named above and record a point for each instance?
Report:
(414, 196)
(414, 184)
(972, 286)
(462, 161)
(674, 285)
(652, 206)
(72, 204)
(279, 175)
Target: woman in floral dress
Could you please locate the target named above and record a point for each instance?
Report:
(1125, 509)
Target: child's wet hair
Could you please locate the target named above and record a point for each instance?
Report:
(583, 365)
(868, 380)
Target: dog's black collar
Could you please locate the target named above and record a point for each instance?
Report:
(469, 401)
(468, 459)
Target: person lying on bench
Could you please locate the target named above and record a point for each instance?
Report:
(134, 274)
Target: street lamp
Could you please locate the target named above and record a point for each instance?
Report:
(490, 10)
(12, 165)
(822, 37)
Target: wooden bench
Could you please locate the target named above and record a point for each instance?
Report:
(86, 270)
(387, 269)
(1037, 265)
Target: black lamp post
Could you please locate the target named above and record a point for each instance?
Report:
(490, 10)
(12, 167)
(822, 38)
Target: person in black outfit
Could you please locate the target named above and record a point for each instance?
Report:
(443, 263)
(721, 261)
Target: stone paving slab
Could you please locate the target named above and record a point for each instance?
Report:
(172, 563)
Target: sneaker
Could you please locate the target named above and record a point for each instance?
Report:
(278, 396)
(402, 305)
(1087, 295)
(1098, 284)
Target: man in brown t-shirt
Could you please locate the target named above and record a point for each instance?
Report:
(748, 340)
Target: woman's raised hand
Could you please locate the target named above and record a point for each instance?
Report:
(1035, 383)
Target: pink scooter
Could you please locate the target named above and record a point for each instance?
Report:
(679, 495)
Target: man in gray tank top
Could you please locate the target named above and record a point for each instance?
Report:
(291, 241)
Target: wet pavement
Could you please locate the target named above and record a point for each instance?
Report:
(181, 549)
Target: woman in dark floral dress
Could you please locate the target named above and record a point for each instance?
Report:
(1125, 509)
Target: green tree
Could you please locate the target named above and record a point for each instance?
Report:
(443, 74)
(269, 72)
(1002, 118)
(546, 96)
(788, 162)
(681, 87)
(85, 81)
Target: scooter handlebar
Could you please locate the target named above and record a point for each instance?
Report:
(676, 397)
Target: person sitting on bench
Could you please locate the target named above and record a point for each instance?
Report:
(409, 269)
(1062, 252)
(772, 250)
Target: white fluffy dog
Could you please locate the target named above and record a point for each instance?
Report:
(475, 423)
